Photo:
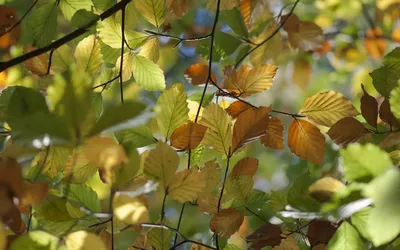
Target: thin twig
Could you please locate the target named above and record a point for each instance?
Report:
(50, 59)
(163, 207)
(257, 215)
(367, 17)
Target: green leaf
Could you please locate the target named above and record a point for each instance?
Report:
(83, 17)
(224, 46)
(147, 74)
(117, 117)
(392, 59)
(140, 136)
(78, 169)
(84, 195)
(359, 220)
(383, 223)
(62, 59)
(346, 238)
(238, 187)
(395, 101)
(172, 109)
(127, 172)
(385, 80)
(363, 162)
(35, 240)
(56, 158)
(43, 22)
(103, 4)
(255, 201)
(160, 238)
(197, 97)
(278, 200)
(88, 56)
(70, 7)
(152, 10)
(234, 19)
(298, 194)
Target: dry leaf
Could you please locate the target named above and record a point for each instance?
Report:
(213, 175)
(246, 166)
(178, 7)
(391, 140)
(37, 65)
(226, 222)
(323, 189)
(386, 114)
(8, 19)
(347, 130)
(267, 235)
(320, 232)
(375, 43)
(197, 74)
(188, 136)
(306, 141)
(327, 108)
(273, 137)
(236, 108)
(208, 204)
(249, 126)
(186, 185)
(369, 108)
(289, 243)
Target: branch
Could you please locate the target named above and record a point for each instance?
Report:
(367, 17)
(179, 38)
(49, 65)
(65, 39)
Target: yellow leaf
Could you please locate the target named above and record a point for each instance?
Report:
(219, 132)
(208, 204)
(245, 10)
(213, 175)
(88, 56)
(327, 108)
(56, 158)
(186, 185)
(127, 69)
(197, 74)
(301, 73)
(289, 243)
(347, 130)
(246, 166)
(248, 80)
(306, 141)
(3, 237)
(161, 163)
(78, 169)
(151, 49)
(130, 210)
(323, 189)
(188, 136)
(160, 238)
(193, 107)
(374, 43)
(238, 186)
(82, 240)
(236, 108)
(178, 7)
(37, 65)
(172, 109)
(249, 126)
(152, 10)
(273, 137)
(226, 222)
(270, 49)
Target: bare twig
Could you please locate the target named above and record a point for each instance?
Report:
(49, 65)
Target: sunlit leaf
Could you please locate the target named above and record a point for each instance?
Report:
(141, 136)
(37, 65)
(152, 10)
(186, 185)
(246, 166)
(213, 175)
(323, 189)
(150, 49)
(238, 186)
(130, 210)
(226, 222)
(178, 7)
(69, 7)
(197, 74)
(84, 195)
(35, 240)
(270, 49)
(78, 169)
(188, 136)
(347, 130)
(43, 22)
(236, 108)
(395, 101)
(385, 79)
(55, 157)
(208, 204)
(62, 59)
(346, 237)
(273, 137)
(147, 74)
(88, 56)
(82, 240)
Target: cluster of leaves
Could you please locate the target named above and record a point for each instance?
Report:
(86, 164)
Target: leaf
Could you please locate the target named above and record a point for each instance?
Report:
(346, 237)
(306, 141)
(383, 223)
(83, 17)
(369, 108)
(82, 240)
(141, 136)
(246, 166)
(178, 7)
(152, 10)
(78, 169)
(327, 108)
(245, 10)
(226, 222)
(320, 232)
(273, 137)
(219, 132)
(301, 73)
(386, 114)
(305, 35)
(213, 175)
(160, 238)
(88, 56)
(147, 74)
(235, 20)
(385, 79)
(266, 235)
(270, 49)
(236, 108)
(70, 7)
(172, 110)
(249, 126)
(130, 210)
(363, 162)
(55, 157)
(208, 204)
(162, 163)
(37, 65)
(35, 240)
(391, 140)
(224, 46)
(392, 59)
(150, 49)
(359, 221)
(347, 130)
(84, 196)
(238, 187)
(374, 43)
(188, 136)
(43, 22)
(62, 59)
(8, 19)
(323, 189)
(197, 74)
(224, 5)
(248, 80)
(289, 243)
(186, 185)
(298, 195)
(395, 101)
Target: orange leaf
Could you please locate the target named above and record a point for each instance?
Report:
(396, 35)
(369, 108)
(188, 136)
(247, 166)
(178, 7)
(37, 65)
(236, 108)
(320, 232)
(197, 74)
(245, 10)
(347, 130)
(267, 235)
(273, 137)
(226, 222)
(386, 114)
(8, 18)
(306, 141)
(374, 43)
(249, 126)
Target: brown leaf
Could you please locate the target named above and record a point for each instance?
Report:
(267, 235)
(37, 65)
(213, 175)
(347, 130)
(8, 19)
(273, 137)
(226, 222)
(178, 7)
(197, 74)
(374, 43)
(208, 204)
(249, 126)
(386, 114)
(292, 23)
(391, 140)
(246, 166)
(320, 232)
(369, 108)
(306, 141)
(188, 136)
(236, 108)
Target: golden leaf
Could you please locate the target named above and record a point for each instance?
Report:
(226, 222)
(188, 136)
(186, 185)
(323, 189)
(301, 73)
(161, 163)
(77, 168)
(246, 166)
(178, 7)
(289, 243)
(88, 56)
(151, 49)
(130, 210)
(197, 74)
(270, 49)
(249, 126)
(369, 108)
(248, 80)
(306, 141)
(273, 137)
(208, 204)
(37, 65)
(213, 175)
(374, 43)
(245, 10)
(327, 108)
(386, 114)
(82, 240)
(238, 186)
(347, 130)
(236, 108)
